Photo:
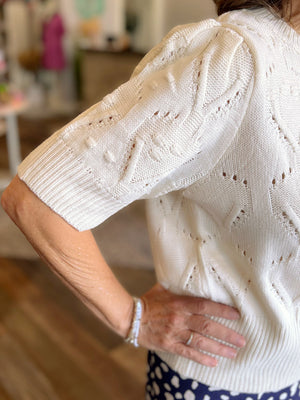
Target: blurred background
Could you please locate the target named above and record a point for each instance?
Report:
(58, 57)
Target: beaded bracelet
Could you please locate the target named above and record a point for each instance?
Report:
(133, 334)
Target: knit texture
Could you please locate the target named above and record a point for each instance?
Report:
(207, 129)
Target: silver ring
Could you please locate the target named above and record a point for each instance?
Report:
(189, 341)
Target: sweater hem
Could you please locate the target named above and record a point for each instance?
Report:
(273, 357)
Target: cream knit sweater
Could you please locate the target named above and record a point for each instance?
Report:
(207, 129)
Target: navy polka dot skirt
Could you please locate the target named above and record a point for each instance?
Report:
(165, 384)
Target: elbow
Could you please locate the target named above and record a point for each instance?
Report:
(11, 201)
(5, 201)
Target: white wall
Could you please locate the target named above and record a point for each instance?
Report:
(158, 17)
(185, 11)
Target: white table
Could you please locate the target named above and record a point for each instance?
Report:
(9, 112)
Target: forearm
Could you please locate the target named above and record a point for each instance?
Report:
(74, 256)
(172, 323)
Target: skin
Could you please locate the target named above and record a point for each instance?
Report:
(167, 320)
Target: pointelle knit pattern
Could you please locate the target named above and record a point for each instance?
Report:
(207, 130)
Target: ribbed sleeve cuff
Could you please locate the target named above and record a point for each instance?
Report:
(62, 182)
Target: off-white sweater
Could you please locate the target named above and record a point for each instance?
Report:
(207, 129)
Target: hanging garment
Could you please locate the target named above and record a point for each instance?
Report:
(53, 56)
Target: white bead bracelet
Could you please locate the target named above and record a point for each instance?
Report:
(133, 334)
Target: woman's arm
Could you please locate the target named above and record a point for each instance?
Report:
(168, 319)
(74, 256)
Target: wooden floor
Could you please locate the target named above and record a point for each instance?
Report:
(52, 347)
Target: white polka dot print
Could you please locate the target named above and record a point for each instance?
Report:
(158, 372)
(169, 396)
(164, 367)
(189, 395)
(175, 381)
(156, 388)
(164, 384)
(293, 389)
(283, 396)
(213, 389)
(224, 397)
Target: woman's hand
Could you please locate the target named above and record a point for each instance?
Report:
(168, 319)
(182, 325)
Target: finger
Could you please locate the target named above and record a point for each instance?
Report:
(196, 305)
(203, 343)
(194, 355)
(207, 327)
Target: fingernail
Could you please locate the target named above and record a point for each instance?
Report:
(214, 363)
(241, 342)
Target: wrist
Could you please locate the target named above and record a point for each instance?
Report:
(122, 319)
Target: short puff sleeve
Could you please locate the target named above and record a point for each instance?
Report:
(159, 132)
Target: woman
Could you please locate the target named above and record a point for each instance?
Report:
(207, 130)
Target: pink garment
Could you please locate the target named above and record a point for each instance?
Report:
(53, 56)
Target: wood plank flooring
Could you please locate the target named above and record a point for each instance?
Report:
(53, 348)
